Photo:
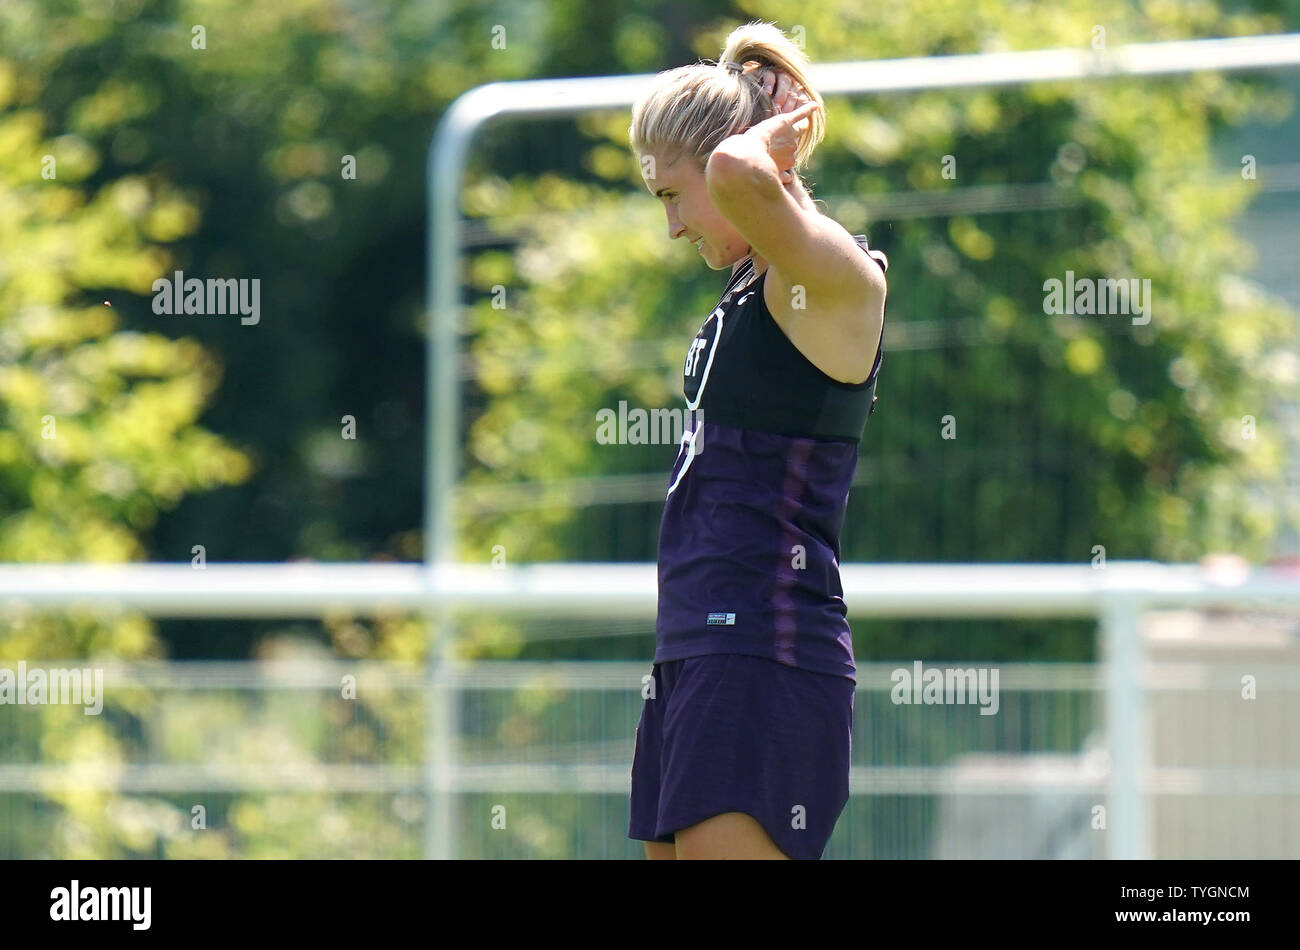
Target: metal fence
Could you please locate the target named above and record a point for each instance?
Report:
(542, 761)
(447, 749)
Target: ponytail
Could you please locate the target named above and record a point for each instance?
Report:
(767, 45)
(691, 109)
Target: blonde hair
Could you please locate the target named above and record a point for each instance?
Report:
(691, 109)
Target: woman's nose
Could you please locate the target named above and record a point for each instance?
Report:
(675, 227)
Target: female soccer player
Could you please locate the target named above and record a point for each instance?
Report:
(742, 750)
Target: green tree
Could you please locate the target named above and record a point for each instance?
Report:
(99, 430)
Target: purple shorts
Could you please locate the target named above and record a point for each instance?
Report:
(729, 732)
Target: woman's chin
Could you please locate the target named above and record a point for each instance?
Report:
(713, 261)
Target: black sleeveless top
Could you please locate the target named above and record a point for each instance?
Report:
(766, 383)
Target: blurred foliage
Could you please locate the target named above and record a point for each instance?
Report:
(100, 421)
(100, 426)
(225, 161)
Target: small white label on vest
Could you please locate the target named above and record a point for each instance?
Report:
(719, 618)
